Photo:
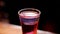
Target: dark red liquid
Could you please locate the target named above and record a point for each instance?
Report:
(29, 28)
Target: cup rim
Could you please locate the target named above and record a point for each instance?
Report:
(31, 9)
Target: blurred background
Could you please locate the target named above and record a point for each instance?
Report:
(48, 15)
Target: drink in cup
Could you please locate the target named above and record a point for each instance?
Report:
(29, 18)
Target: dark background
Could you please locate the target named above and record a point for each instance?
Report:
(48, 12)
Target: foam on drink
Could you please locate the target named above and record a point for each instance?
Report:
(28, 14)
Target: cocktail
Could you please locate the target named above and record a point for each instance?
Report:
(29, 18)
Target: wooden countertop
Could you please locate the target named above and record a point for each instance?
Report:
(14, 29)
